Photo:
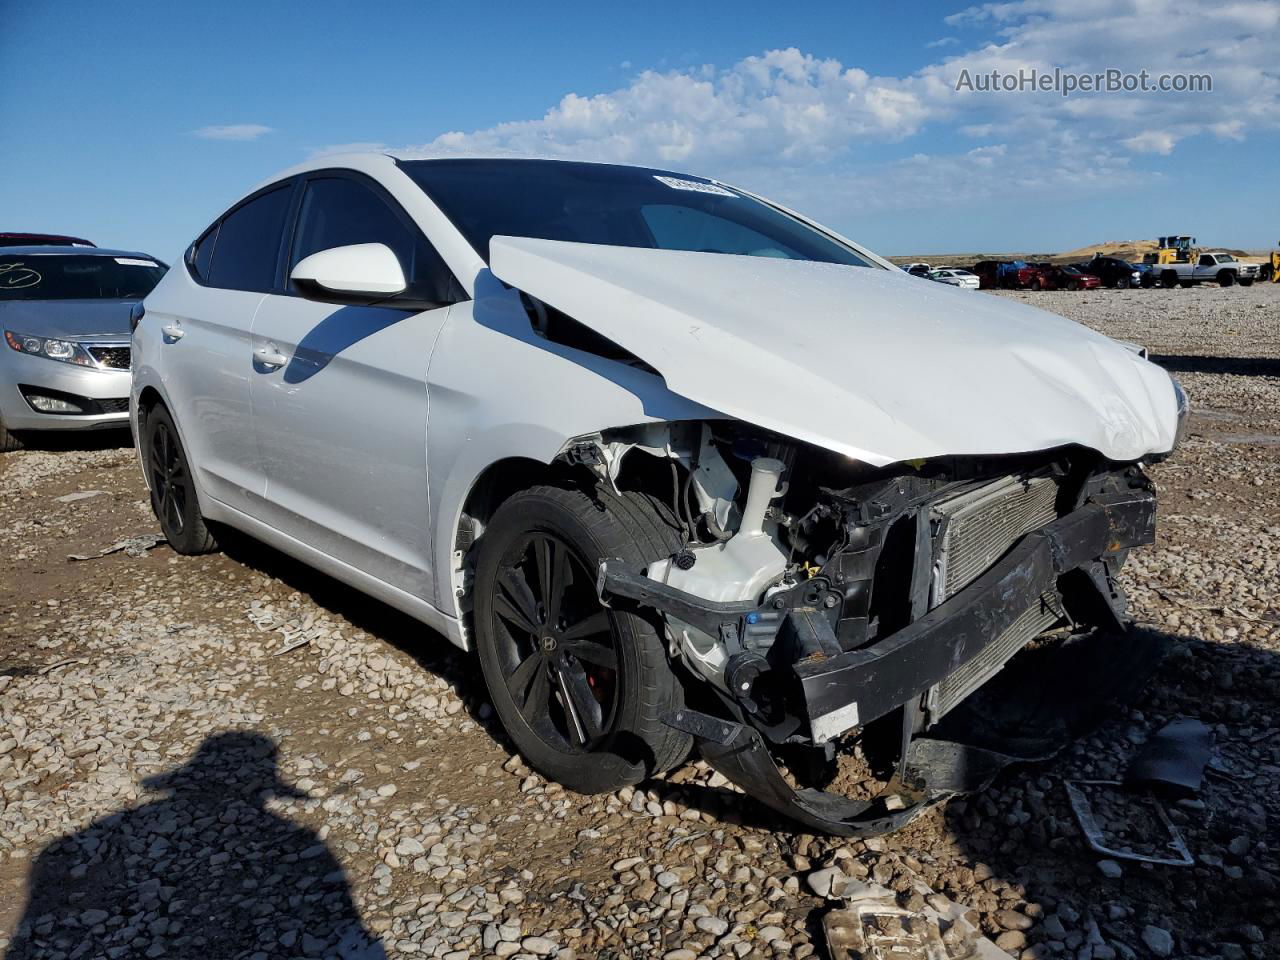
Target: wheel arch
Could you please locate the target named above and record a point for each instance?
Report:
(149, 397)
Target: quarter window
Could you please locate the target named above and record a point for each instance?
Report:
(248, 243)
(339, 211)
(202, 254)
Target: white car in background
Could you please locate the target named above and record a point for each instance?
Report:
(680, 465)
(956, 278)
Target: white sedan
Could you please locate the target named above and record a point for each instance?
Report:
(681, 466)
(956, 278)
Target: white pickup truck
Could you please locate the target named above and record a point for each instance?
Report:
(1220, 268)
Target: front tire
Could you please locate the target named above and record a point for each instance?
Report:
(579, 687)
(173, 491)
(9, 442)
(1226, 278)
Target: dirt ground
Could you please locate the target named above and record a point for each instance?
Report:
(234, 756)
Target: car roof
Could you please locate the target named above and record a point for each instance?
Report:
(370, 161)
(68, 251)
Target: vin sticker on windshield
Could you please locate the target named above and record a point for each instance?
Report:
(133, 262)
(675, 183)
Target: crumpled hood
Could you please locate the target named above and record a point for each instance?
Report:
(872, 363)
(67, 319)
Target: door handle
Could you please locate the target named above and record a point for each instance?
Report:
(173, 331)
(270, 356)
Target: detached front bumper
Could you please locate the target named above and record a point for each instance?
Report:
(844, 690)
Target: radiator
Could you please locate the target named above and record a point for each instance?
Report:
(979, 527)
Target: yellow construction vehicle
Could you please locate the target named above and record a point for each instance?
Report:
(1271, 270)
(1172, 250)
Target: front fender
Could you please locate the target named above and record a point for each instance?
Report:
(497, 390)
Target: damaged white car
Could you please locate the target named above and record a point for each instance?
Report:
(681, 466)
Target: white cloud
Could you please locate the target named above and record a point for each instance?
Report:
(1152, 141)
(943, 42)
(232, 131)
(782, 106)
(803, 128)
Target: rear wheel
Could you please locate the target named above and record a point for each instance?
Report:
(173, 492)
(580, 688)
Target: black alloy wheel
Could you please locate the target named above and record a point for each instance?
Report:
(556, 642)
(583, 690)
(173, 491)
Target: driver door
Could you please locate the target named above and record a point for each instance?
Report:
(339, 393)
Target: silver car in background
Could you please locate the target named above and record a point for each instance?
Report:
(65, 315)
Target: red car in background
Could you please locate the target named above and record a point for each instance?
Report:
(42, 240)
(1003, 274)
(1048, 276)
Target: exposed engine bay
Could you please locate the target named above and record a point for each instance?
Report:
(846, 626)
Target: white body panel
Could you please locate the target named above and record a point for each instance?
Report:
(341, 426)
(194, 347)
(497, 390)
(870, 363)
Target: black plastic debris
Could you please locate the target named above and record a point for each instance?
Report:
(1172, 762)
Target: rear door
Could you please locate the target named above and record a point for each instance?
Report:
(341, 418)
(205, 343)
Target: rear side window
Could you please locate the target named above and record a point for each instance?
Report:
(202, 254)
(339, 211)
(248, 243)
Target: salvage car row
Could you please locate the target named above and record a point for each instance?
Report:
(533, 405)
(1223, 269)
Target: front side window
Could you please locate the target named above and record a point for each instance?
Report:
(248, 243)
(75, 277)
(340, 211)
(615, 205)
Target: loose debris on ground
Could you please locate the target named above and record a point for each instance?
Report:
(232, 756)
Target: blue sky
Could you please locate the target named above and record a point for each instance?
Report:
(135, 124)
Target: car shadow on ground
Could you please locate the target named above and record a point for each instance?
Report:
(1239, 366)
(430, 649)
(55, 441)
(203, 870)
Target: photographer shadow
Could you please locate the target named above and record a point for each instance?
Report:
(205, 870)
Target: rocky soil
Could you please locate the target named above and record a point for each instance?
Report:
(232, 756)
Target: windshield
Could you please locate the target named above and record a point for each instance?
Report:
(620, 206)
(1225, 258)
(72, 277)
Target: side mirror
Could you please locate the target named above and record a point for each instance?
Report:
(359, 274)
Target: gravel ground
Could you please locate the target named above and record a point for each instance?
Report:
(232, 756)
